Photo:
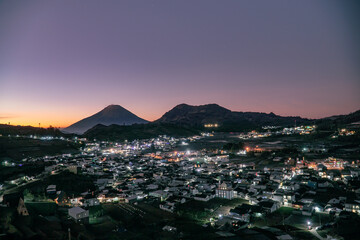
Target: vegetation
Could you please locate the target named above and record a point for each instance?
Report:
(201, 212)
(64, 181)
(233, 147)
(10, 173)
(28, 130)
(17, 148)
(138, 131)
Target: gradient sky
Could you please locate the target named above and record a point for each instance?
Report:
(61, 61)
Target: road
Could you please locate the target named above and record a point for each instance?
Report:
(314, 232)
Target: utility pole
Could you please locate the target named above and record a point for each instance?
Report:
(283, 219)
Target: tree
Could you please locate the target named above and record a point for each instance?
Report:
(28, 196)
(233, 147)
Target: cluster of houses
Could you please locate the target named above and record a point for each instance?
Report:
(274, 130)
(175, 178)
(130, 172)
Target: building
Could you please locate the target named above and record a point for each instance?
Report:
(223, 191)
(352, 206)
(78, 214)
(51, 189)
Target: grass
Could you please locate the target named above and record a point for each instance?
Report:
(149, 226)
(201, 212)
(276, 218)
(41, 208)
(300, 221)
(102, 228)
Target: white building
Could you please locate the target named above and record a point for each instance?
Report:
(223, 191)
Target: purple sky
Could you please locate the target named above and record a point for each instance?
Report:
(61, 61)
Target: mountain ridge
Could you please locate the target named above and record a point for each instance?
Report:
(199, 116)
(188, 119)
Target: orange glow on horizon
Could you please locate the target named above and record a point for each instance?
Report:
(63, 115)
(54, 121)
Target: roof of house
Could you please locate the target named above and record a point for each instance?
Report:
(76, 210)
(266, 204)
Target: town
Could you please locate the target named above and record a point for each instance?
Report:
(212, 185)
(179, 120)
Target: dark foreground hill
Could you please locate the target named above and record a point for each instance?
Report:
(112, 114)
(28, 130)
(138, 131)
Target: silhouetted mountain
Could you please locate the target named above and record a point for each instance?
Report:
(337, 121)
(112, 114)
(182, 120)
(138, 131)
(344, 119)
(198, 116)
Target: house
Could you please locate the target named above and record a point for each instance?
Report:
(277, 233)
(307, 210)
(73, 169)
(245, 211)
(91, 202)
(159, 194)
(352, 206)
(51, 189)
(78, 214)
(307, 198)
(167, 207)
(240, 192)
(269, 206)
(76, 201)
(176, 200)
(278, 197)
(334, 201)
(203, 197)
(289, 198)
(241, 213)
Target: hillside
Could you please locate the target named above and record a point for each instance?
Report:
(334, 122)
(17, 148)
(28, 130)
(137, 131)
(227, 120)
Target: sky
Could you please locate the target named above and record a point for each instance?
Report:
(61, 61)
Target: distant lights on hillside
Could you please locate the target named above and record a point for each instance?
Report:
(211, 125)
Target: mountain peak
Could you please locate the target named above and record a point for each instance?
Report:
(198, 115)
(210, 105)
(113, 107)
(112, 114)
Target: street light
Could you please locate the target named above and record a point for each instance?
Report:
(309, 225)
